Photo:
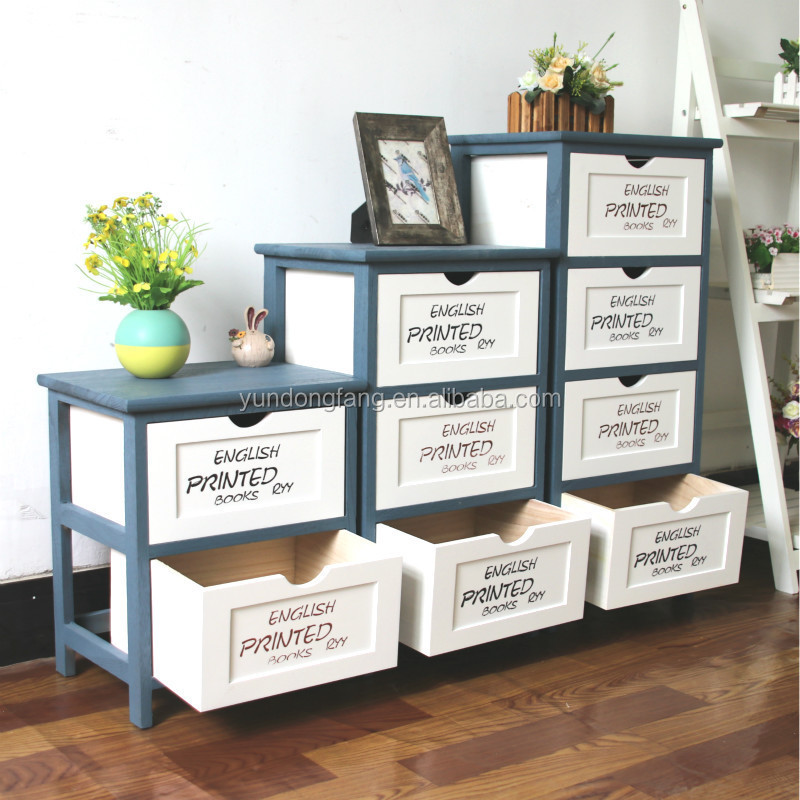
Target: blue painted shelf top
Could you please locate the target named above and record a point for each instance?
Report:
(387, 254)
(614, 140)
(199, 386)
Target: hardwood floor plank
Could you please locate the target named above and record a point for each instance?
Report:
(455, 762)
(573, 766)
(772, 780)
(707, 761)
(22, 742)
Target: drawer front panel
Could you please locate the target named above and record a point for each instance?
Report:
(431, 329)
(614, 319)
(617, 209)
(209, 476)
(610, 428)
(430, 450)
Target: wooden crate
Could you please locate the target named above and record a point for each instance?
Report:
(551, 113)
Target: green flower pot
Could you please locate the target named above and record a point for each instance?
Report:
(152, 344)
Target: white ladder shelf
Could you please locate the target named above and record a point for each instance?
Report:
(697, 93)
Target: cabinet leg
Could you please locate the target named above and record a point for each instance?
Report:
(140, 702)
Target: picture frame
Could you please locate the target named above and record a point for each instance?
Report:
(410, 186)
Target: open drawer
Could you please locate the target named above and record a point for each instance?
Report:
(660, 538)
(238, 623)
(479, 574)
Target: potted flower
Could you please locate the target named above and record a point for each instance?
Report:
(566, 91)
(142, 258)
(786, 417)
(773, 256)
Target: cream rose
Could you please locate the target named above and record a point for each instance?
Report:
(791, 410)
(529, 80)
(560, 63)
(598, 76)
(552, 81)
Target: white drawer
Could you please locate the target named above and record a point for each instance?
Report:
(479, 574)
(429, 450)
(610, 428)
(254, 620)
(618, 209)
(620, 317)
(208, 476)
(660, 538)
(431, 329)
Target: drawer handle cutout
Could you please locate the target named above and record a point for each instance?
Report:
(454, 398)
(247, 420)
(635, 272)
(637, 162)
(459, 278)
(629, 380)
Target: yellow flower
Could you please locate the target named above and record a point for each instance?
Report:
(102, 208)
(118, 290)
(147, 225)
(92, 263)
(178, 272)
(100, 216)
(141, 287)
(165, 220)
(240, 335)
(120, 201)
(144, 200)
(123, 262)
(194, 251)
(189, 270)
(129, 218)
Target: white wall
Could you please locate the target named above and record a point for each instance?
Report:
(239, 113)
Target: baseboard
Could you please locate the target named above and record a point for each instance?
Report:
(26, 613)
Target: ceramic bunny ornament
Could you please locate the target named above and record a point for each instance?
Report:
(249, 347)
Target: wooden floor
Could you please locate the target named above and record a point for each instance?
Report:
(686, 699)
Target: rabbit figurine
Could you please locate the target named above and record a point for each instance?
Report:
(249, 347)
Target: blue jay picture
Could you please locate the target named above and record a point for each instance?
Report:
(408, 182)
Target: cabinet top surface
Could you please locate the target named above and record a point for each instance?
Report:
(204, 385)
(388, 254)
(613, 141)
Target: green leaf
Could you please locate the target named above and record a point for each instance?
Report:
(531, 95)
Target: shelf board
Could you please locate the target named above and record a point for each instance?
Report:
(760, 110)
(755, 525)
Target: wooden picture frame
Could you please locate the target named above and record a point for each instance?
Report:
(408, 180)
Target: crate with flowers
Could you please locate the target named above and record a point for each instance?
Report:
(772, 253)
(564, 92)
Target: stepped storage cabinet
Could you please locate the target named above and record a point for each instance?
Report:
(630, 217)
(230, 495)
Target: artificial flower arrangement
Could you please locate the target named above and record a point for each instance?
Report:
(584, 79)
(786, 405)
(142, 257)
(763, 244)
